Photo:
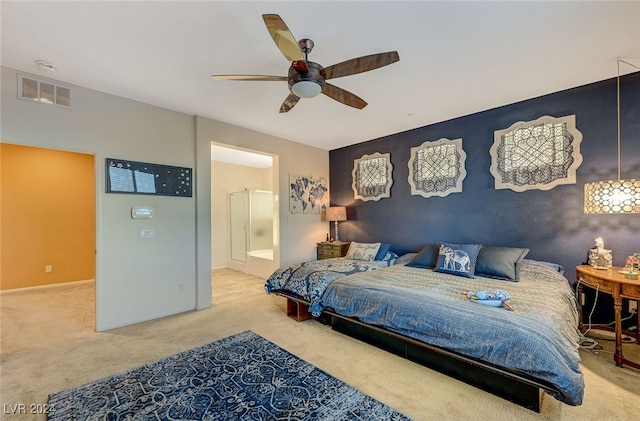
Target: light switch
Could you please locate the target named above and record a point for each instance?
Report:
(147, 233)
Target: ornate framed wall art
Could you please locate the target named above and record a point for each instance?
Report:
(437, 168)
(539, 154)
(372, 177)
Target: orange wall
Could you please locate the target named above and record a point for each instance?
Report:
(47, 213)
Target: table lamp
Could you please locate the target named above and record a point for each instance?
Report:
(335, 214)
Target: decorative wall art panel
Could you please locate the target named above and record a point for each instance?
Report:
(372, 177)
(123, 176)
(538, 154)
(437, 168)
(308, 194)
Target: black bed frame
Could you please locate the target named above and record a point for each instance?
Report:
(511, 385)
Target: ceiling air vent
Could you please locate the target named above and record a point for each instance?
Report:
(45, 92)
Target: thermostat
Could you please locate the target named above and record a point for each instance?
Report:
(141, 213)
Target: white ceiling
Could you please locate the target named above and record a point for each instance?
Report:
(240, 157)
(456, 58)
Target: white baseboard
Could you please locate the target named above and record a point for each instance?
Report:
(39, 287)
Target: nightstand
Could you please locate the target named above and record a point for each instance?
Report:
(335, 249)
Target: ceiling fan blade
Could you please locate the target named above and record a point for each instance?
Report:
(284, 39)
(346, 97)
(250, 77)
(361, 64)
(289, 103)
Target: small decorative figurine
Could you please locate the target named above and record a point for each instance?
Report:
(632, 267)
(599, 257)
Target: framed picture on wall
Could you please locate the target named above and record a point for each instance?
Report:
(123, 176)
(308, 194)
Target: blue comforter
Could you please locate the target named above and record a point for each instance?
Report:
(539, 338)
(308, 280)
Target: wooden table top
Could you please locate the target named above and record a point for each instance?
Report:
(612, 274)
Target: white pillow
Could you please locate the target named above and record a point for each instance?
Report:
(363, 251)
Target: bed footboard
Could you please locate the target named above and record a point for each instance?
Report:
(516, 388)
(513, 386)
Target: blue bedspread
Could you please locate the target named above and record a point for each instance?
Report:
(539, 338)
(308, 280)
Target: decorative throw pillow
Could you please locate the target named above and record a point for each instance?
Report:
(382, 251)
(458, 259)
(362, 251)
(427, 258)
(500, 262)
(405, 259)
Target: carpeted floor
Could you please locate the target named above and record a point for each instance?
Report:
(243, 376)
(49, 345)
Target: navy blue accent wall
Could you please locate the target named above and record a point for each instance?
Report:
(551, 223)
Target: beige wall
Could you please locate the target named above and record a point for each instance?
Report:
(295, 235)
(142, 279)
(228, 178)
(48, 210)
(136, 279)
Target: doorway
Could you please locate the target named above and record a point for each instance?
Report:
(48, 210)
(244, 210)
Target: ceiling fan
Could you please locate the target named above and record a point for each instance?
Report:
(307, 79)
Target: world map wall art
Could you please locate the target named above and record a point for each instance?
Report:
(308, 194)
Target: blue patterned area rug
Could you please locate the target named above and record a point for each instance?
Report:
(242, 377)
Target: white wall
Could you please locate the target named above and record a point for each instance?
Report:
(228, 178)
(136, 279)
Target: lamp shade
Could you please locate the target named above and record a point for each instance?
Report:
(337, 213)
(613, 196)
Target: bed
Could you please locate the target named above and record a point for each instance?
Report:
(307, 281)
(421, 313)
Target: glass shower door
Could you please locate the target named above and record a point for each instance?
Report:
(238, 208)
(260, 220)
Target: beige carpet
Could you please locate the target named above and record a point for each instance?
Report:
(49, 344)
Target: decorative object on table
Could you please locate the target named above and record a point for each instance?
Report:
(240, 377)
(493, 298)
(599, 257)
(308, 194)
(632, 267)
(613, 196)
(336, 214)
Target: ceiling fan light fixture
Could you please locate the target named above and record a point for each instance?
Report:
(306, 88)
(309, 83)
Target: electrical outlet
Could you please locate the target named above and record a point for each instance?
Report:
(48, 268)
(633, 306)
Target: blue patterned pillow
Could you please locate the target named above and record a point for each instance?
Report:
(458, 259)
